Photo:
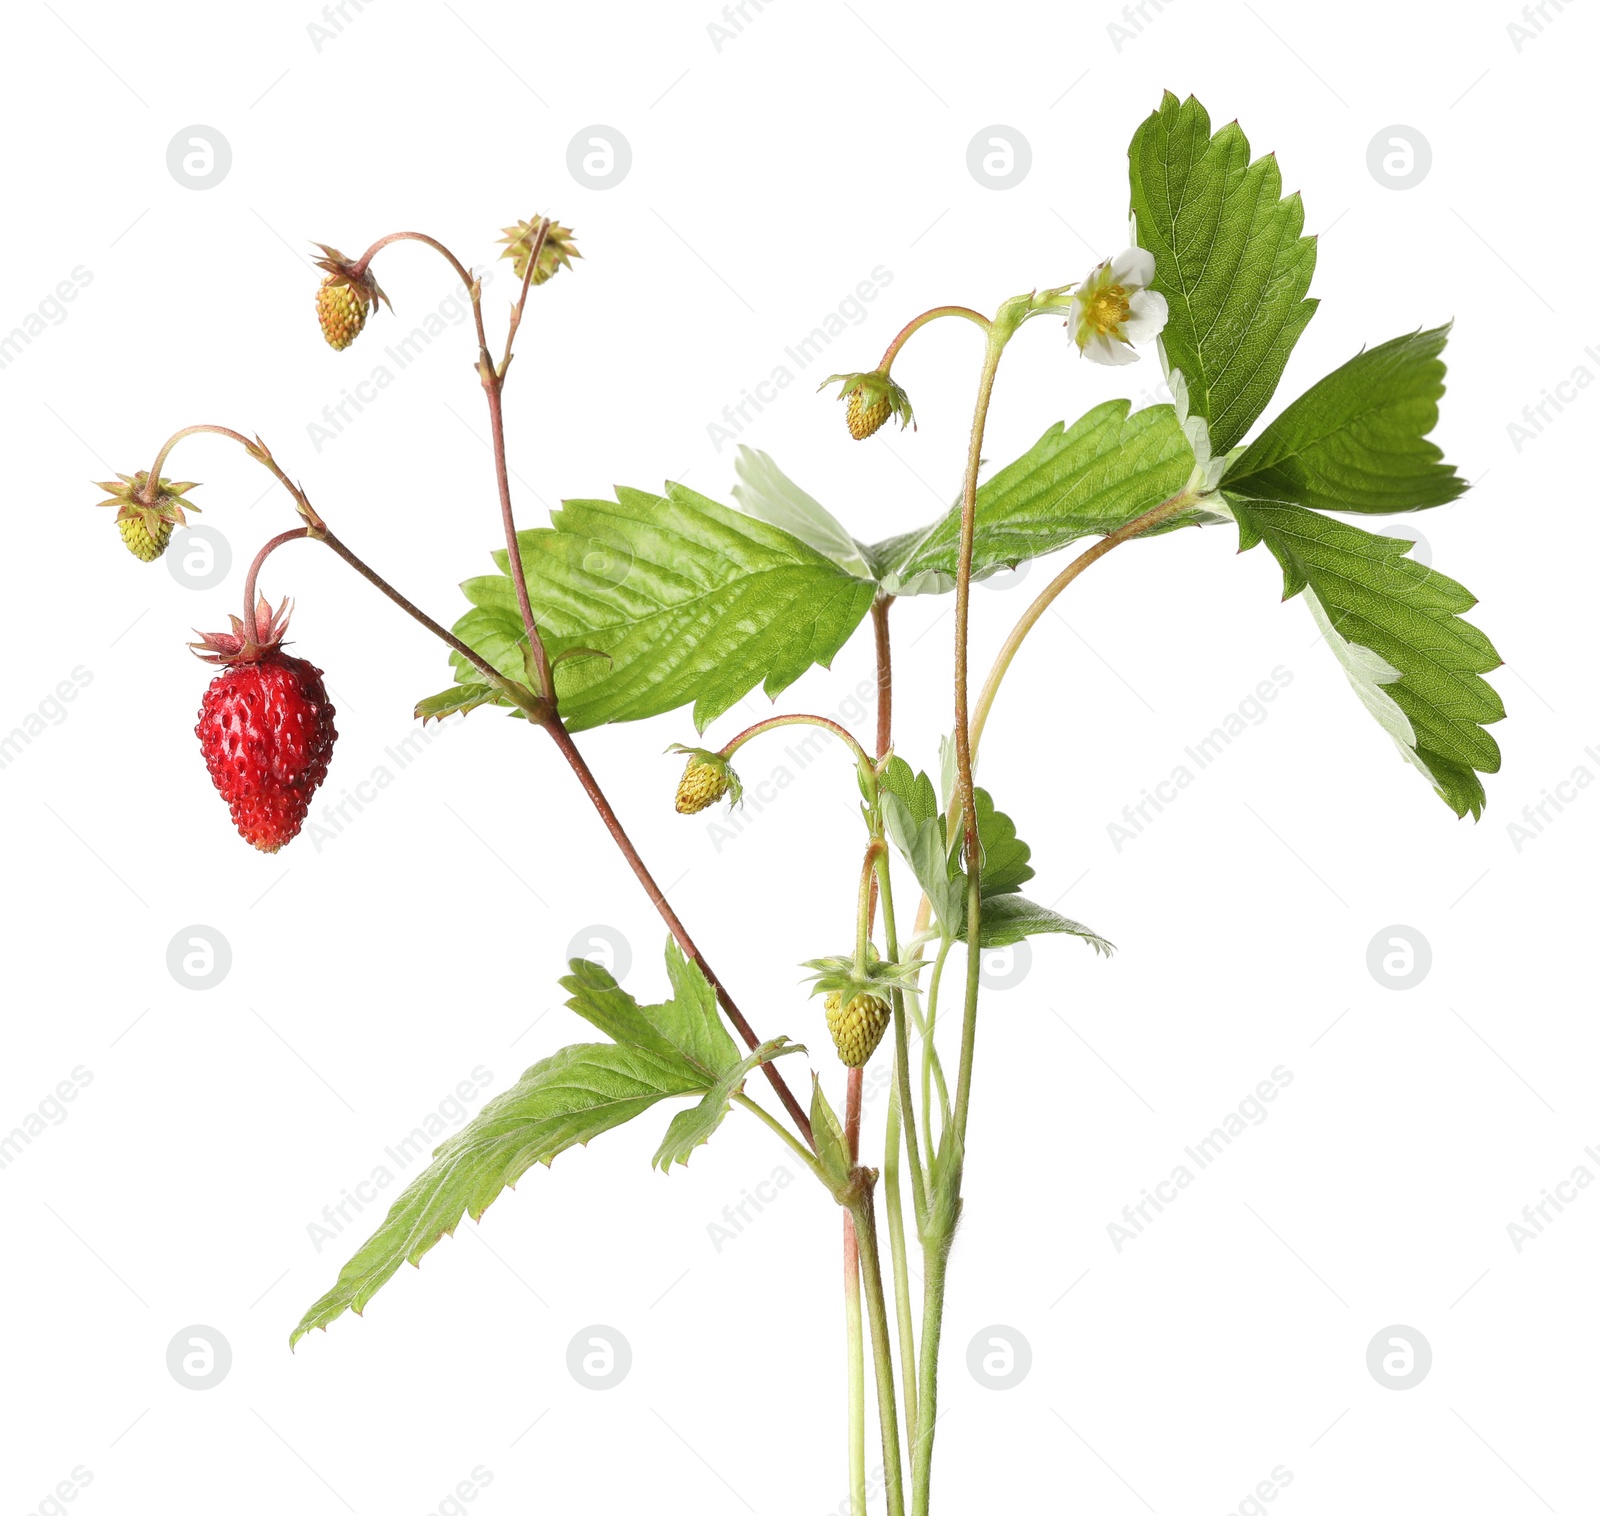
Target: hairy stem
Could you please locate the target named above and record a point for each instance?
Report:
(805, 1155)
(855, 1375)
(936, 1260)
(732, 746)
(492, 380)
(856, 1410)
(880, 638)
(251, 629)
(535, 249)
(591, 787)
(507, 687)
(883, 1363)
(946, 1205)
(929, 1060)
(897, 1258)
(256, 448)
(916, 324)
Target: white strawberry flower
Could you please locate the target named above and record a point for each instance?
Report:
(1115, 307)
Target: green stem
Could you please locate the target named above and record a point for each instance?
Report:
(897, 1258)
(935, 1259)
(800, 1150)
(858, 752)
(946, 1204)
(930, 1061)
(864, 904)
(878, 1320)
(916, 324)
(1174, 505)
(902, 1046)
(855, 1378)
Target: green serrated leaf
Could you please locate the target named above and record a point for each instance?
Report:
(833, 1152)
(681, 600)
(459, 697)
(1007, 919)
(686, 1029)
(922, 845)
(691, 1128)
(1078, 481)
(1005, 855)
(1229, 259)
(914, 790)
(1357, 440)
(1397, 628)
(561, 1101)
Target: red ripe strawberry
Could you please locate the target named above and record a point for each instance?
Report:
(266, 729)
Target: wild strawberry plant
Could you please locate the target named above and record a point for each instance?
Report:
(642, 605)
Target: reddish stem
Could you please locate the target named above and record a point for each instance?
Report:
(251, 630)
(563, 740)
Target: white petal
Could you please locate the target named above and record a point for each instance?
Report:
(1103, 349)
(1133, 267)
(1075, 314)
(1147, 315)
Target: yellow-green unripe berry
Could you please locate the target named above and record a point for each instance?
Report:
(341, 312)
(702, 784)
(857, 1027)
(146, 537)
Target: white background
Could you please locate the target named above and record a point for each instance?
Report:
(772, 171)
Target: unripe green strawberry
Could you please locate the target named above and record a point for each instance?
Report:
(864, 415)
(146, 515)
(707, 778)
(146, 535)
(341, 312)
(702, 784)
(870, 400)
(857, 1027)
(344, 298)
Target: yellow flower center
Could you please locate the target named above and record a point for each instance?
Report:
(1107, 309)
